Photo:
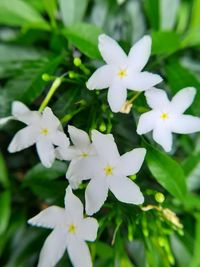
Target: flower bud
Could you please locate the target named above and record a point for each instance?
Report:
(159, 197)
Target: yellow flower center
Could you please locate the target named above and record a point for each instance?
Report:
(108, 170)
(122, 73)
(84, 155)
(72, 229)
(44, 131)
(164, 116)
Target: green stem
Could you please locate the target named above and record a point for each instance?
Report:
(51, 92)
(134, 97)
(69, 116)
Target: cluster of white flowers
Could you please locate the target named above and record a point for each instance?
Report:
(122, 72)
(98, 159)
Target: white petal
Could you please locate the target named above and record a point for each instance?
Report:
(105, 146)
(157, 99)
(183, 99)
(131, 162)
(60, 139)
(22, 113)
(146, 122)
(117, 95)
(163, 136)
(46, 152)
(78, 137)
(23, 139)
(101, 78)
(81, 169)
(73, 205)
(79, 253)
(49, 218)
(186, 124)
(126, 190)
(73, 177)
(111, 52)
(49, 119)
(95, 195)
(66, 153)
(140, 53)
(89, 229)
(142, 81)
(53, 249)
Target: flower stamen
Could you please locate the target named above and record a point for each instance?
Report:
(44, 131)
(84, 155)
(72, 229)
(122, 73)
(164, 116)
(108, 170)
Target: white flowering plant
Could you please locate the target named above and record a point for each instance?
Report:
(100, 133)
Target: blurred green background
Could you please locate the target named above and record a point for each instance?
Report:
(39, 40)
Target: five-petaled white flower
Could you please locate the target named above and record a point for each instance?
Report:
(81, 154)
(70, 230)
(122, 72)
(167, 117)
(111, 173)
(43, 129)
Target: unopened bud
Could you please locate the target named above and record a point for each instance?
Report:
(159, 197)
(46, 77)
(77, 61)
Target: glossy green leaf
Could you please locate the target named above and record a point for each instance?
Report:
(20, 13)
(152, 10)
(57, 170)
(180, 77)
(195, 261)
(165, 43)
(27, 85)
(5, 210)
(168, 15)
(4, 180)
(167, 172)
(191, 168)
(85, 38)
(10, 53)
(72, 11)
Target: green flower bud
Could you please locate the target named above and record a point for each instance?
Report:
(77, 61)
(159, 197)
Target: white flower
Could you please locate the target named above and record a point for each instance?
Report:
(43, 129)
(111, 173)
(122, 71)
(70, 230)
(167, 117)
(81, 154)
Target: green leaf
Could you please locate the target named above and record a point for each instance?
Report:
(192, 38)
(167, 172)
(10, 53)
(51, 8)
(5, 210)
(168, 15)
(27, 85)
(180, 77)
(152, 10)
(72, 11)
(3, 173)
(165, 42)
(195, 18)
(195, 261)
(20, 13)
(43, 182)
(191, 168)
(85, 38)
(57, 170)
